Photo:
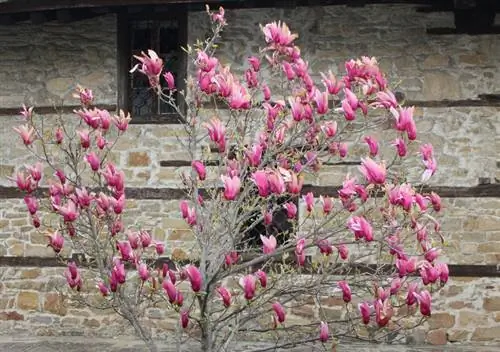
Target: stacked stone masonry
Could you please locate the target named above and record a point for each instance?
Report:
(56, 57)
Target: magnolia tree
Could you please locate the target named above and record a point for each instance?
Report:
(264, 245)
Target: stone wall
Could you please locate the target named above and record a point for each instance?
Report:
(56, 57)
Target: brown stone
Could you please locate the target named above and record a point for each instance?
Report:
(459, 305)
(441, 320)
(17, 250)
(138, 159)
(440, 85)
(491, 247)
(305, 311)
(436, 61)
(179, 254)
(11, 316)
(30, 273)
(27, 300)
(486, 334)
(458, 335)
(181, 235)
(54, 303)
(492, 304)
(437, 337)
(467, 317)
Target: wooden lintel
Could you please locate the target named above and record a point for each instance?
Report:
(455, 31)
(42, 110)
(164, 193)
(456, 270)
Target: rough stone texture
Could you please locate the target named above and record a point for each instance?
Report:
(424, 67)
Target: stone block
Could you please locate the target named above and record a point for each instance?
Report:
(12, 315)
(486, 334)
(27, 300)
(138, 159)
(441, 320)
(54, 303)
(492, 304)
(437, 337)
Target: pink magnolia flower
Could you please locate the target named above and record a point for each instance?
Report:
(372, 145)
(254, 156)
(343, 251)
(444, 272)
(103, 288)
(59, 135)
(218, 17)
(184, 319)
(325, 247)
(349, 112)
(373, 172)
(32, 204)
(93, 161)
(194, 277)
(118, 204)
(360, 227)
(83, 197)
(276, 182)
(69, 211)
(266, 91)
(329, 128)
(386, 99)
(231, 258)
(400, 145)
(225, 295)
(118, 272)
(206, 63)
(279, 312)
(309, 200)
(239, 98)
(248, 284)
(84, 138)
(216, 132)
(151, 65)
(436, 201)
(424, 301)
(383, 312)
(169, 78)
(200, 169)
(321, 100)
(26, 112)
(262, 276)
(255, 63)
(432, 254)
(324, 334)
(342, 148)
(410, 297)
(296, 108)
(126, 250)
(251, 78)
(231, 186)
(327, 203)
(27, 133)
(170, 290)
(269, 244)
(143, 271)
(346, 291)
(260, 179)
(73, 276)
(56, 241)
(278, 34)
(291, 210)
(121, 121)
(429, 274)
(395, 286)
(331, 83)
(364, 309)
(295, 183)
(159, 247)
(100, 140)
(85, 95)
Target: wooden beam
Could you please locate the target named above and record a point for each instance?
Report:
(456, 270)
(42, 110)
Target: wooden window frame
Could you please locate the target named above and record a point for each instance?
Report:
(124, 52)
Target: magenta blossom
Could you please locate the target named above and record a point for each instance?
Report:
(231, 186)
(373, 172)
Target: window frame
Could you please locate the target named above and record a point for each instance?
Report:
(124, 52)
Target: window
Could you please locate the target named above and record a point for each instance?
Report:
(165, 33)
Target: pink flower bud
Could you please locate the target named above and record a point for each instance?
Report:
(262, 276)
(73, 276)
(200, 169)
(195, 278)
(372, 145)
(184, 319)
(248, 284)
(309, 200)
(373, 172)
(424, 301)
(169, 78)
(324, 334)
(84, 138)
(346, 291)
(56, 241)
(103, 288)
(160, 248)
(291, 210)
(93, 161)
(364, 309)
(279, 311)
(269, 244)
(143, 271)
(325, 247)
(225, 295)
(343, 251)
(27, 134)
(231, 187)
(32, 204)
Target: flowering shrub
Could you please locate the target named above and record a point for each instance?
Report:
(269, 129)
